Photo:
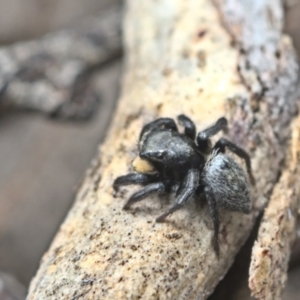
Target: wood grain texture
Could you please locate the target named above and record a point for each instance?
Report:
(182, 57)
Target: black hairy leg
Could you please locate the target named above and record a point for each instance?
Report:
(151, 189)
(187, 190)
(189, 126)
(135, 178)
(221, 145)
(214, 213)
(203, 137)
(161, 123)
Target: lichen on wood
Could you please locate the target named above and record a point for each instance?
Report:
(181, 57)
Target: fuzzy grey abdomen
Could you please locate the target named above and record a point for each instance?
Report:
(228, 182)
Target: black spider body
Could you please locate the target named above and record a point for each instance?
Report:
(228, 183)
(189, 166)
(172, 154)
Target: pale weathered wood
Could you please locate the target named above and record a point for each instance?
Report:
(277, 233)
(181, 58)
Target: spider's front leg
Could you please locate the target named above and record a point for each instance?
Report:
(153, 186)
(135, 178)
(151, 189)
(166, 123)
(189, 126)
(187, 190)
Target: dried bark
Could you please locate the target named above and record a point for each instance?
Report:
(52, 74)
(277, 233)
(271, 253)
(182, 57)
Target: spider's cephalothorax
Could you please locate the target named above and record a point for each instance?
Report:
(188, 165)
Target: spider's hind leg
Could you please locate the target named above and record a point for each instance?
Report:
(214, 213)
(223, 143)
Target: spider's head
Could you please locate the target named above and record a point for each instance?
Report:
(166, 148)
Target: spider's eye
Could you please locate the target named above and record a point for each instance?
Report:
(153, 155)
(161, 154)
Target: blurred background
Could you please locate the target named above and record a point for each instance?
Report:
(25, 19)
(43, 160)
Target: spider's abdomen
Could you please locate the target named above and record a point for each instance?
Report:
(228, 182)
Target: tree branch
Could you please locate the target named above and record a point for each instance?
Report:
(277, 233)
(180, 59)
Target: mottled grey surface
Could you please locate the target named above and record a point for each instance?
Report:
(42, 163)
(52, 74)
(25, 19)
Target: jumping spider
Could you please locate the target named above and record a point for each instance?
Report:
(187, 167)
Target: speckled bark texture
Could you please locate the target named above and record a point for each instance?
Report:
(52, 74)
(261, 42)
(271, 252)
(205, 60)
